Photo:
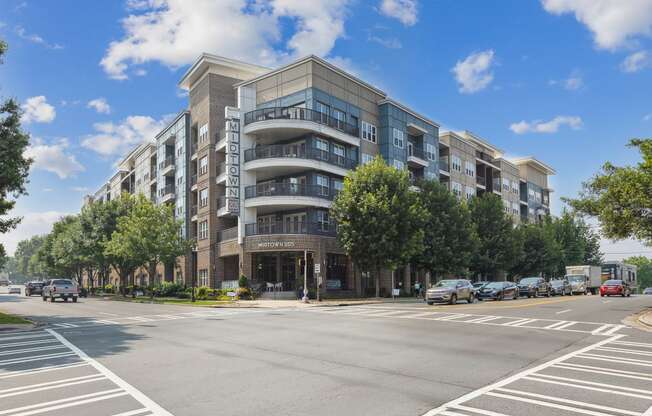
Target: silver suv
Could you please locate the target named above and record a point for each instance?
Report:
(450, 291)
(60, 289)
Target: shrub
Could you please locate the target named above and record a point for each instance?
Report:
(109, 288)
(203, 292)
(170, 289)
(243, 293)
(243, 282)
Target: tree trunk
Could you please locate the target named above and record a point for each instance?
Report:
(377, 282)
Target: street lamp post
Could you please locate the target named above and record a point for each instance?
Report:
(305, 276)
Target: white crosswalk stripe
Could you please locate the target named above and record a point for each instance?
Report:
(572, 380)
(62, 374)
(594, 328)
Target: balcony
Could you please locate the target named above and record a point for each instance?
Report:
(193, 180)
(166, 166)
(289, 195)
(415, 156)
(287, 122)
(481, 181)
(444, 166)
(221, 173)
(285, 158)
(152, 174)
(193, 211)
(496, 185)
(166, 193)
(193, 151)
(221, 207)
(304, 227)
(227, 234)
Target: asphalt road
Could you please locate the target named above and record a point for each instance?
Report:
(546, 356)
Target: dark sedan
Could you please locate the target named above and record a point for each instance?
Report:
(33, 288)
(561, 287)
(499, 291)
(533, 287)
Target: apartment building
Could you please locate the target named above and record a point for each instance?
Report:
(254, 163)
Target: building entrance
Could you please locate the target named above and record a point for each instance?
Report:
(281, 271)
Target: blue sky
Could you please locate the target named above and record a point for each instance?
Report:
(567, 81)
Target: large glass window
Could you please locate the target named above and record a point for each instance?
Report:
(203, 230)
(323, 183)
(203, 133)
(431, 152)
(340, 118)
(456, 163)
(322, 220)
(399, 138)
(366, 158)
(324, 111)
(203, 197)
(203, 165)
(321, 145)
(369, 132)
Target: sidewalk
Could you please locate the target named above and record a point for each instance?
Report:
(264, 303)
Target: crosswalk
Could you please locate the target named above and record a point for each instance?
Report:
(594, 328)
(609, 378)
(41, 372)
(131, 320)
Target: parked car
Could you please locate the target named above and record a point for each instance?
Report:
(533, 287)
(647, 291)
(615, 287)
(14, 290)
(450, 291)
(561, 287)
(60, 288)
(477, 286)
(499, 291)
(33, 288)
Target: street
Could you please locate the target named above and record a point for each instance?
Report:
(545, 356)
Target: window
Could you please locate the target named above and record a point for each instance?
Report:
(180, 180)
(353, 120)
(537, 196)
(322, 220)
(530, 193)
(338, 185)
(203, 230)
(398, 138)
(202, 276)
(515, 187)
(366, 158)
(431, 152)
(322, 146)
(324, 111)
(203, 165)
(339, 150)
(506, 184)
(469, 191)
(399, 165)
(469, 169)
(456, 163)
(203, 133)
(506, 206)
(323, 184)
(516, 209)
(203, 197)
(369, 132)
(340, 118)
(456, 187)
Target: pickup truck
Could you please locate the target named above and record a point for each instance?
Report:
(60, 288)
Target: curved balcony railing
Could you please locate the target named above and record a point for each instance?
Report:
(280, 150)
(288, 189)
(303, 227)
(168, 189)
(227, 234)
(168, 161)
(297, 113)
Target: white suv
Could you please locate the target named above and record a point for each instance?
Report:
(60, 288)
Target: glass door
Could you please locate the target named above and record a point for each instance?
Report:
(295, 223)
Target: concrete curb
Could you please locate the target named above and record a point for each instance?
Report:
(645, 318)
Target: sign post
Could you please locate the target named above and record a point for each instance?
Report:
(305, 276)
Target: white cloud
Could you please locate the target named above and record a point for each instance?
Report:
(405, 11)
(80, 189)
(552, 126)
(474, 72)
(116, 139)
(33, 223)
(53, 158)
(614, 23)
(34, 38)
(100, 105)
(622, 249)
(389, 43)
(176, 32)
(636, 62)
(574, 81)
(38, 110)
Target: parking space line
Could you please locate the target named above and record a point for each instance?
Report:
(482, 319)
(564, 326)
(39, 335)
(135, 393)
(42, 370)
(17, 391)
(479, 411)
(564, 311)
(577, 386)
(66, 405)
(134, 412)
(600, 329)
(625, 351)
(560, 400)
(592, 383)
(632, 344)
(36, 358)
(601, 370)
(615, 329)
(618, 359)
(60, 401)
(35, 349)
(25, 343)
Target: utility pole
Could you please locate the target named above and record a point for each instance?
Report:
(305, 276)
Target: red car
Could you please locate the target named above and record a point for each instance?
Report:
(615, 287)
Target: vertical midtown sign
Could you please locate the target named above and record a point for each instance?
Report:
(232, 117)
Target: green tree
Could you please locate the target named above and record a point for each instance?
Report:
(644, 270)
(379, 218)
(497, 246)
(24, 252)
(539, 252)
(151, 235)
(14, 166)
(124, 262)
(449, 234)
(621, 197)
(67, 250)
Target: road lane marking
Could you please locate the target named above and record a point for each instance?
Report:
(106, 322)
(25, 343)
(525, 322)
(35, 349)
(601, 370)
(633, 344)
(615, 329)
(501, 383)
(553, 405)
(134, 392)
(625, 351)
(514, 396)
(47, 369)
(56, 402)
(620, 359)
(564, 311)
(108, 314)
(479, 411)
(592, 383)
(133, 412)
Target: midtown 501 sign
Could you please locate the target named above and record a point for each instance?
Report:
(232, 116)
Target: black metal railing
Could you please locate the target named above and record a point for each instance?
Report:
(302, 227)
(288, 189)
(416, 152)
(297, 113)
(294, 151)
(169, 161)
(227, 234)
(168, 189)
(193, 180)
(484, 156)
(221, 168)
(152, 173)
(193, 148)
(221, 202)
(481, 180)
(193, 210)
